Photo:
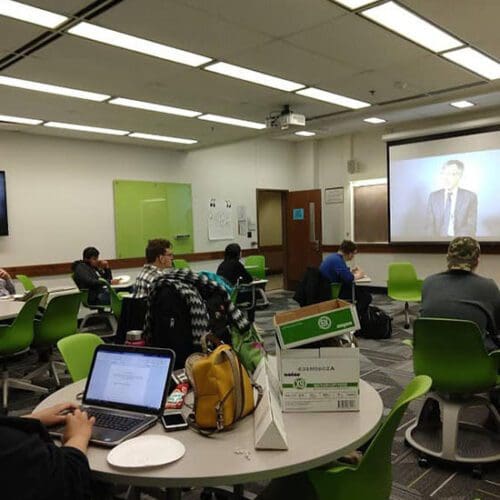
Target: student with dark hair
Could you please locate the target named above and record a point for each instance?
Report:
(234, 272)
(88, 272)
(34, 467)
(334, 268)
(159, 256)
(6, 284)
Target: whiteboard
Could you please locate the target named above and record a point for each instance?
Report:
(220, 220)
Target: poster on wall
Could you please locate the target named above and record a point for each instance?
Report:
(334, 195)
(220, 220)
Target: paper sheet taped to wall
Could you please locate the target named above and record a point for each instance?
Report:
(220, 220)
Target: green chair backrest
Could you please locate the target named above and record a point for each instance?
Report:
(19, 335)
(78, 351)
(59, 320)
(115, 299)
(26, 282)
(372, 479)
(180, 264)
(259, 272)
(452, 353)
(335, 288)
(402, 278)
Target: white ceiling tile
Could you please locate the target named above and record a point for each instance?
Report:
(14, 34)
(355, 41)
(179, 26)
(288, 61)
(64, 7)
(277, 18)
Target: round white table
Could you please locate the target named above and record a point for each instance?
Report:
(314, 439)
(10, 308)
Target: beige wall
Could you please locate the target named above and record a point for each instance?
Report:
(270, 218)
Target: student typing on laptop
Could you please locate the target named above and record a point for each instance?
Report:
(32, 466)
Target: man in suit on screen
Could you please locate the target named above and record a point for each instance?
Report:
(452, 211)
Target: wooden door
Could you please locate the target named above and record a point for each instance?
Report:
(303, 234)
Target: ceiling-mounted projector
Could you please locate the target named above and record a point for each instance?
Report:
(286, 119)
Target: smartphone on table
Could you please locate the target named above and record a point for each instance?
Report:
(174, 421)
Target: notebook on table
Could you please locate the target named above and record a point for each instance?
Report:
(125, 391)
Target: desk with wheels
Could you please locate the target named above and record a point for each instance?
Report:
(314, 439)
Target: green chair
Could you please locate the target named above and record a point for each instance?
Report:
(59, 320)
(404, 285)
(335, 288)
(372, 477)
(115, 299)
(16, 340)
(26, 282)
(100, 312)
(452, 353)
(78, 351)
(180, 264)
(256, 266)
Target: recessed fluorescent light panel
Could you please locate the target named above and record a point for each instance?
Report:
(340, 100)
(252, 76)
(136, 44)
(475, 61)
(86, 128)
(150, 106)
(305, 133)
(30, 14)
(232, 121)
(18, 119)
(354, 4)
(374, 120)
(462, 104)
(406, 23)
(163, 138)
(52, 89)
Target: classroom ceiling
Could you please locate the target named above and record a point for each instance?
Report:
(314, 42)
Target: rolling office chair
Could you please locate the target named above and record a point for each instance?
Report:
(452, 353)
(28, 285)
(256, 267)
(180, 264)
(78, 351)
(403, 285)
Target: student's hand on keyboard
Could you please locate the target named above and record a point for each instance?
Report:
(55, 415)
(78, 430)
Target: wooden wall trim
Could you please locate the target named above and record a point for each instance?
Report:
(437, 248)
(65, 267)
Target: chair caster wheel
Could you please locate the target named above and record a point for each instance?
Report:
(423, 462)
(407, 326)
(407, 443)
(477, 472)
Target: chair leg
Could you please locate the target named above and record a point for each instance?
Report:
(53, 370)
(407, 316)
(450, 413)
(37, 372)
(5, 389)
(26, 386)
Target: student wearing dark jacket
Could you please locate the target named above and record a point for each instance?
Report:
(233, 271)
(88, 272)
(33, 467)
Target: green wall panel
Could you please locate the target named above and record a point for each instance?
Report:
(145, 210)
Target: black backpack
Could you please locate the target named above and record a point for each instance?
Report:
(376, 324)
(170, 324)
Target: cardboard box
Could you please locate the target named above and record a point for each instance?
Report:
(325, 379)
(316, 322)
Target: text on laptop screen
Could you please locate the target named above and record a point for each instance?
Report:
(128, 378)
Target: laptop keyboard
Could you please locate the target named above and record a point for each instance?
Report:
(115, 422)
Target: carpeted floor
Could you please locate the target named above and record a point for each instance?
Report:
(387, 365)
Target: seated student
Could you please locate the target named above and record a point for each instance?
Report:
(234, 272)
(32, 466)
(335, 270)
(6, 284)
(460, 293)
(159, 256)
(87, 273)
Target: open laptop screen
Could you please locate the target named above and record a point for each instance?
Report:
(129, 379)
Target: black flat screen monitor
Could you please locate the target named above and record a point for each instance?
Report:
(4, 226)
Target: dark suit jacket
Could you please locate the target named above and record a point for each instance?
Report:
(465, 214)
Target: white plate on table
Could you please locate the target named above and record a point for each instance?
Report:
(124, 278)
(146, 451)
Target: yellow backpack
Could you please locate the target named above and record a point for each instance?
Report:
(223, 391)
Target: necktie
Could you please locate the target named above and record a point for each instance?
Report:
(447, 210)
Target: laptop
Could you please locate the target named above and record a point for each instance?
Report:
(125, 391)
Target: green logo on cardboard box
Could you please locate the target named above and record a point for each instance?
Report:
(299, 383)
(324, 322)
